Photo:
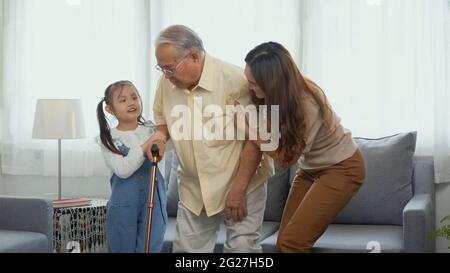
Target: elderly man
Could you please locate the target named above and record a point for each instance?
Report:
(220, 180)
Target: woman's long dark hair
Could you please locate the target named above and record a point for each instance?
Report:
(105, 130)
(278, 76)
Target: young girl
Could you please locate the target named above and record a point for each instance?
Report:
(125, 150)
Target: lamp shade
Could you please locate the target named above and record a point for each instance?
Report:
(58, 119)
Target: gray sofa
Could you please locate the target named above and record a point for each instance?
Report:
(392, 212)
(26, 225)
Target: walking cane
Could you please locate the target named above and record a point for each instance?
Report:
(155, 155)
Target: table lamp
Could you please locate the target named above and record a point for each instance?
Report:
(58, 119)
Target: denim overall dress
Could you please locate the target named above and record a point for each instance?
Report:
(127, 211)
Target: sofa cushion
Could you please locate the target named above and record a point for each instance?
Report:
(360, 239)
(387, 187)
(277, 191)
(13, 241)
(351, 239)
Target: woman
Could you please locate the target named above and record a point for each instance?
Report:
(331, 167)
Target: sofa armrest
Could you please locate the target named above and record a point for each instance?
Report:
(27, 214)
(423, 176)
(418, 224)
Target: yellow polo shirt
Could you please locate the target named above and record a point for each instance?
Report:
(206, 167)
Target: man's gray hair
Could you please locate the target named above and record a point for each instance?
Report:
(182, 37)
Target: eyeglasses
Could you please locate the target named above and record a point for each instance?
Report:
(170, 71)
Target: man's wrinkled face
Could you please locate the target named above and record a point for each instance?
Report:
(177, 68)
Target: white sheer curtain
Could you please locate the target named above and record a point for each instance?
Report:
(66, 49)
(385, 66)
(75, 48)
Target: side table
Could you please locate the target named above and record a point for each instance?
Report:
(80, 229)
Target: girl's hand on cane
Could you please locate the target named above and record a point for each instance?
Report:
(148, 148)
